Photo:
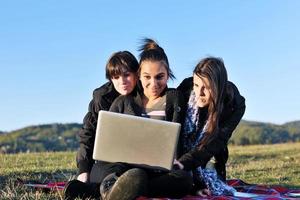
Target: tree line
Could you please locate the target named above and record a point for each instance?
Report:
(64, 137)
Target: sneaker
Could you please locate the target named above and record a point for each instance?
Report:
(128, 186)
(77, 189)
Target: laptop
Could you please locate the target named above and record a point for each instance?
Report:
(139, 141)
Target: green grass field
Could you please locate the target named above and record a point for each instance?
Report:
(263, 164)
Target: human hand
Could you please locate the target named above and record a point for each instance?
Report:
(178, 164)
(203, 192)
(83, 177)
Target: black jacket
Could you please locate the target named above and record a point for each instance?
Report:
(132, 104)
(233, 111)
(103, 97)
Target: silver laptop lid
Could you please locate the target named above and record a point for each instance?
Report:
(135, 140)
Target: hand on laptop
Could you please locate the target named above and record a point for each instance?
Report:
(83, 177)
(177, 165)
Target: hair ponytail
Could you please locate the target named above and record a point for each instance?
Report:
(149, 44)
(151, 51)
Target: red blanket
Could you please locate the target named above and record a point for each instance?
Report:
(245, 191)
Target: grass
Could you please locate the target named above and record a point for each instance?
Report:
(266, 164)
(263, 164)
(42, 167)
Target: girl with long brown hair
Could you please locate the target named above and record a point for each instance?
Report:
(214, 109)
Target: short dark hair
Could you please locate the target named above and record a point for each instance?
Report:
(151, 51)
(119, 62)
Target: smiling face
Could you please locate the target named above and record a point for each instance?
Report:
(154, 78)
(125, 82)
(202, 90)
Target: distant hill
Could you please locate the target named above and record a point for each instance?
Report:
(249, 132)
(63, 137)
(50, 137)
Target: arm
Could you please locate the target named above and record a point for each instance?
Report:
(102, 99)
(175, 106)
(86, 142)
(238, 108)
(185, 87)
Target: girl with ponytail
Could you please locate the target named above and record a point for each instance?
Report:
(153, 99)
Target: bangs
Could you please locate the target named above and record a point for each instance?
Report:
(118, 70)
(115, 71)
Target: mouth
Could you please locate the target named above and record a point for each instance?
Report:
(124, 87)
(155, 91)
(202, 101)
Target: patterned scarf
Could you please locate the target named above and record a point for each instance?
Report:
(191, 139)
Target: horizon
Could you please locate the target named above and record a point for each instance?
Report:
(43, 124)
(53, 53)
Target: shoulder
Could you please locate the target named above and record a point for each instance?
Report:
(174, 97)
(186, 84)
(121, 99)
(105, 92)
(105, 89)
(123, 104)
(185, 87)
(104, 96)
(233, 95)
(125, 99)
(232, 86)
(173, 93)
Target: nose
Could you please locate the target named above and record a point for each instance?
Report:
(153, 82)
(123, 79)
(202, 91)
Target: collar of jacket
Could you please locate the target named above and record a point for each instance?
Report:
(171, 105)
(110, 93)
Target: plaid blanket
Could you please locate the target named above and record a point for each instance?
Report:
(249, 191)
(245, 191)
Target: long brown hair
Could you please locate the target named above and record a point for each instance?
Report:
(214, 70)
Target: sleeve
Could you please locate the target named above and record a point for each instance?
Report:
(238, 109)
(87, 138)
(178, 106)
(200, 156)
(185, 88)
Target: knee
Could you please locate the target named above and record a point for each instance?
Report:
(184, 178)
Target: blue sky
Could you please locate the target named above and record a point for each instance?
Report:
(53, 53)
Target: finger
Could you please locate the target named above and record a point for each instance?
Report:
(208, 192)
(201, 193)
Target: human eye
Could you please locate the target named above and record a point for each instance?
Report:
(207, 87)
(160, 77)
(126, 74)
(115, 77)
(147, 77)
